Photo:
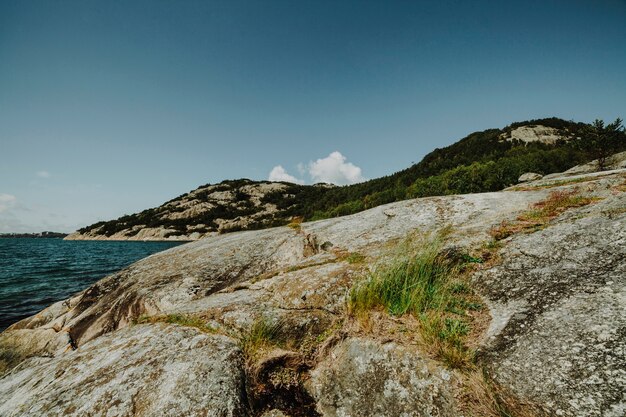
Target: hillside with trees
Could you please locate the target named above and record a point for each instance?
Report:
(489, 160)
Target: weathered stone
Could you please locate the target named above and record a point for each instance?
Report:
(145, 370)
(361, 377)
(535, 133)
(529, 176)
(563, 283)
(558, 335)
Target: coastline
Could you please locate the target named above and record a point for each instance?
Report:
(140, 237)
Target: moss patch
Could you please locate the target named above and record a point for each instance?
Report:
(186, 320)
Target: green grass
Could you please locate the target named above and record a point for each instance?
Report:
(411, 282)
(186, 320)
(263, 333)
(420, 281)
(354, 258)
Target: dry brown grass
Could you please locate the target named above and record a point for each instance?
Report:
(296, 223)
(480, 396)
(541, 213)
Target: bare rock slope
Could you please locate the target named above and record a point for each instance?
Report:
(555, 333)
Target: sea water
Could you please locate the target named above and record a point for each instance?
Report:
(35, 273)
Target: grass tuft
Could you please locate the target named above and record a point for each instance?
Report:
(410, 282)
(263, 333)
(419, 281)
(186, 320)
(296, 223)
(351, 257)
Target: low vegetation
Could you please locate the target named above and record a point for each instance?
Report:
(422, 280)
(428, 285)
(296, 224)
(186, 320)
(264, 333)
(541, 213)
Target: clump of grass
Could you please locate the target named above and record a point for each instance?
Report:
(296, 223)
(355, 258)
(541, 213)
(413, 281)
(493, 244)
(614, 212)
(482, 396)
(186, 320)
(263, 333)
(420, 281)
(445, 337)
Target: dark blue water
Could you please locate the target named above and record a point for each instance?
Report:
(35, 273)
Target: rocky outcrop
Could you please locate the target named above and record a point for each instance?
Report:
(236, 205)
(205, 211)
(529, 176)
(554, 338)
(559, 333)
(142, 235)
(536, 133)
(617, 161)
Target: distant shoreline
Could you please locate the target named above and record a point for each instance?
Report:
(40, 235)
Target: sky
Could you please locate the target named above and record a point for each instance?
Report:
(110, 107)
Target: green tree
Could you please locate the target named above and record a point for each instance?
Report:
(600, 141)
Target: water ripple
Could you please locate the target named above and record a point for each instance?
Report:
(35, 273)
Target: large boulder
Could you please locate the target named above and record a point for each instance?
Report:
(529, 176)
(147, 370)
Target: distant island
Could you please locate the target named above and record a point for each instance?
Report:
(40, 235)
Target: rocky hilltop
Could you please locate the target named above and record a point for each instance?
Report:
(522, 313)
(208, 210)
(483, 161)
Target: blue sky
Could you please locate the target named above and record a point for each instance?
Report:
(110, 107)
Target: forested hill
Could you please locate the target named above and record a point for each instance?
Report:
(483, 161)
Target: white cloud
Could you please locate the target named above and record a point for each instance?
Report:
(335, 169)
(7, 201)
(43, 174)
(278, 173)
